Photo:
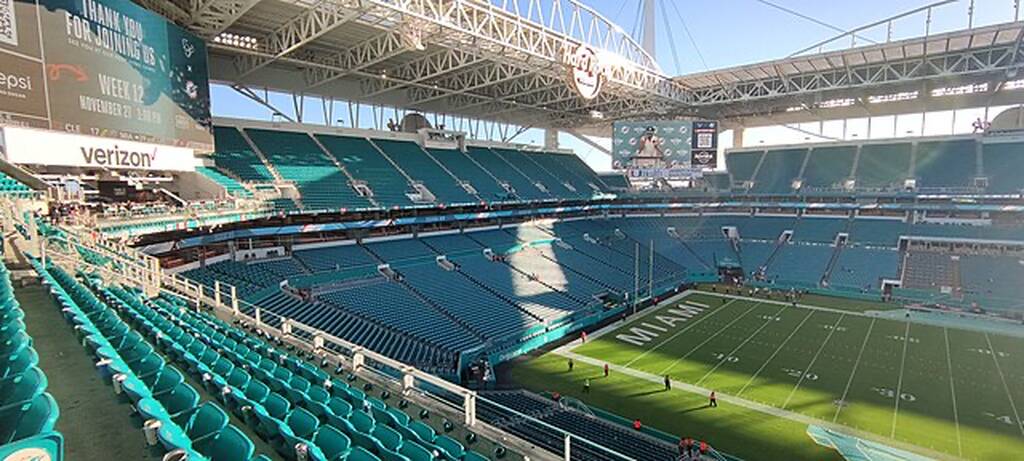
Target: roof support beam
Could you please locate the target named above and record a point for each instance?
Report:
(211, 17)
(301, 30)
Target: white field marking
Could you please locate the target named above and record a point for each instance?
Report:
(1002, 378)
(853, 372)
(814, 359)
(899, 382)
(737, 348)
(670, 302)
(709, 338)
(952, 393)
(706, 316)
(696, 304)
(804, 419)
(777, 349)
(777, 302)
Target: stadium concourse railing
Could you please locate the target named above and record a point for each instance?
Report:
(121, 264)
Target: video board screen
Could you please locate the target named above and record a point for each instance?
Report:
(666, 149)
(103, 68)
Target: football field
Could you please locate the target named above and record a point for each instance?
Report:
(941, 392)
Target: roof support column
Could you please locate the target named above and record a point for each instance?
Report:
(550, 139)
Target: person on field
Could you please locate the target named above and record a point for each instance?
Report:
(606, 370)
(713, 401)
(586, 386)
(668, 383)
(583, 337)
(570, 364)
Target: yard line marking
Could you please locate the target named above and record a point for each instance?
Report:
(696, 304)
(899, 382)
(745, 341)
(709, 338)
(952, 393)
(815, 359)
(706, 316)
(853, 372)
(1002, 378)
(772, 357)
(804, 419)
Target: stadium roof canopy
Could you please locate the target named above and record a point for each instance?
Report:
(502, 60)
(505, 60)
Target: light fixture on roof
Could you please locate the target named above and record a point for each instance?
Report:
(597, 114)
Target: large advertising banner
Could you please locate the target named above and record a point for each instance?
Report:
(42, 147)
(103, 68)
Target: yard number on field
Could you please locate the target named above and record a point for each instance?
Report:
(988, 352)
(889, 393)
(798, 373)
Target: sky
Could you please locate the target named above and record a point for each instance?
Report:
(698, 35)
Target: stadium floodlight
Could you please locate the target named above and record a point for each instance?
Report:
(596, 114)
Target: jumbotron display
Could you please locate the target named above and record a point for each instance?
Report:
(664, 149)
(103, 68)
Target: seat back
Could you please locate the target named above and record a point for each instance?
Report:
(302, 423)
(361, 454)
(207, 419)
(332, 442)
(229, 445)
(387, 437)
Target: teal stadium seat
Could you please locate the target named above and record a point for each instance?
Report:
(28, 418)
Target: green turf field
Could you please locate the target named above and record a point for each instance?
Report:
(941, 392)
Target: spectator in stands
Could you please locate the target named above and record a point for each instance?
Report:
(703, 447)
(668, 383)
(636, 424)
(570, 364)
(606, 370)
(712, 400)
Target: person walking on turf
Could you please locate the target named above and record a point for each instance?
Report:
(713, 401)
(570, 364)
(606, 370)
(668, 383)
(586, 386)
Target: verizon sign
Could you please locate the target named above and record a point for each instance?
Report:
(39, 147)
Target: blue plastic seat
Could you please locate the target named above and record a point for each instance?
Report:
(450, 446)
(206, 420)
(18, 363)
(333, 443)
(361, 454)
(302, 426)
(179, 400)
(23, 388)
(415, 452)
(388, 437)
(28, 419)
(228, 445)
